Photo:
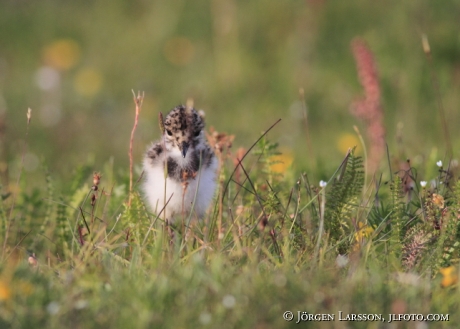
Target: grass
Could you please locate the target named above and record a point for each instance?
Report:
(80, 249)
(86, 258)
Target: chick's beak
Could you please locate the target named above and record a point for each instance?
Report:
(184, 147)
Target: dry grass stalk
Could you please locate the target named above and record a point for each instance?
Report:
(138, 101)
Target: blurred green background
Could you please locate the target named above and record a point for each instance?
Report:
(75, 63)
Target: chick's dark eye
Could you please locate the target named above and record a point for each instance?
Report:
(197, 133)
(169, 132)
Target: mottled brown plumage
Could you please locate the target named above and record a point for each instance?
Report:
(189, 162)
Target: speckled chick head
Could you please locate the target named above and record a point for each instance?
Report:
(183, 128)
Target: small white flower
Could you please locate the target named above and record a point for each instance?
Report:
(439, 164)
(81, 304)
(53, 308)
(229, 301)
(423, 183)
(205, 318)
(322, 183)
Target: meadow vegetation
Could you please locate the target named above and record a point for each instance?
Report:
(266, 246)
(371, 226)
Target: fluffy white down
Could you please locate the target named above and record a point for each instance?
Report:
(154, 187)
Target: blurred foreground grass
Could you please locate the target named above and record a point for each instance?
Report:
(68, 261)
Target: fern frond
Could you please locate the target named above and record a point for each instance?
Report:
(342, 201)
(63, 235)
(49, 209)
(135, 219)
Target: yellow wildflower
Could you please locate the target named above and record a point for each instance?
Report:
(281, 162)
(449, 276)
(347, 141)
(62, 54)
(363, 232)
(5, 292)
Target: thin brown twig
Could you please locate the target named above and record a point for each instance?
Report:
(245, 154)
(138, 101)
(265, 217)
(244, 181)
(84, 220)
(18, 244)
(259, 199)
